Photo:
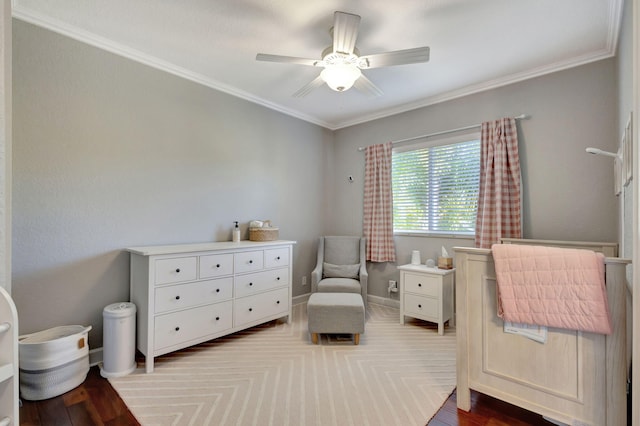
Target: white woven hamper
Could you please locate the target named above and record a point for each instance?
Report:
(53, 361)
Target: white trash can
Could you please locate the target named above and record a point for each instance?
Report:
(118, 340)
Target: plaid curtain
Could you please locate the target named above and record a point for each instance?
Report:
(499, 201)
(378, 204)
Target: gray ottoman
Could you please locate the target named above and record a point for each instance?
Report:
(339, 313)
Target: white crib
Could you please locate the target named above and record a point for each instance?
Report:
(574, 377)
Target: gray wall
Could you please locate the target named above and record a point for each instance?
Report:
(109, 153)
(567, 194)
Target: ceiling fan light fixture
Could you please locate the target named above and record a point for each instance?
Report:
(340, 77)
(342, 61)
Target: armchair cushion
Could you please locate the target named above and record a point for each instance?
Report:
(329, 270)
(339, 285)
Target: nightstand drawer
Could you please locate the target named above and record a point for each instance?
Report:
(423, 284)
(176, 270)
(421, 306)
(181, 296)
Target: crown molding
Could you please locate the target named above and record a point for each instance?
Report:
(149, 60)
(615, 19)
(481, 87)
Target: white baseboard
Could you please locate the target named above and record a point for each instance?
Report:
(384, 301)
(95, 356)
(303, 298)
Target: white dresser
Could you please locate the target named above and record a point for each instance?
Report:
(190, 293)
(427, 294)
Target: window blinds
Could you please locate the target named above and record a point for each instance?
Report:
(435, 188)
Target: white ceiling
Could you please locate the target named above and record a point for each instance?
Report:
(475, 44)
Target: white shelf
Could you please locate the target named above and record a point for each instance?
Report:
(6, 372)
(9, 411)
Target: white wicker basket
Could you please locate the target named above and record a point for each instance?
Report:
(53, 361)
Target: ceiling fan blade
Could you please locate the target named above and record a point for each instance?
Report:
(398, 57)
(345, 32)
(288, 59)
(306, 89)
(365, 85)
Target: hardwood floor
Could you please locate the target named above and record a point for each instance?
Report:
(95, 402)
(485, 411)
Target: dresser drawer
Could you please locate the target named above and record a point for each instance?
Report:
(420, 306)
(248, 261)
(253, 308)
(180, 296)
(216, 265)
(175, 270)
(422, 284)
(183, 326)
(246, 285)
(276, 257)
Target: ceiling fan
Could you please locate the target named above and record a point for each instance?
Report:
(342, 62)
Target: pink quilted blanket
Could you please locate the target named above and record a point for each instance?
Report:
(552, 286)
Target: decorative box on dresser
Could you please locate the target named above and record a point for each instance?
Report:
(427, 294)
(189, 293)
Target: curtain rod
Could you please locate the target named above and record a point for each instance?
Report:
(444, 132)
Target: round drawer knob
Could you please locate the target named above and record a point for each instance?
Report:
(419, 306)
(250, 309)
(177, 270)
(218, 265)
(177, 297)
(217, 318)
(278, 279)
(250, 284)
(278, 258)
(251, 261)
(217, 290)
(177, 328)
(419, 284)
(277, 302)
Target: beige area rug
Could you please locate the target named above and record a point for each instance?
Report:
(273, 375)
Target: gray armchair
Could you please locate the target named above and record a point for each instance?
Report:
(341, 266)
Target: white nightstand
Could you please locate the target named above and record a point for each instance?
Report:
(427, 294)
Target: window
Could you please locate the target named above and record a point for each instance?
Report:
(435, 186)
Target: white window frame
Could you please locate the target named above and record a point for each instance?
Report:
(429, 142)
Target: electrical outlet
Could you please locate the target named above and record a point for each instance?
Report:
(304, 280)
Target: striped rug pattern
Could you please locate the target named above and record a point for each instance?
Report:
(273, 375)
